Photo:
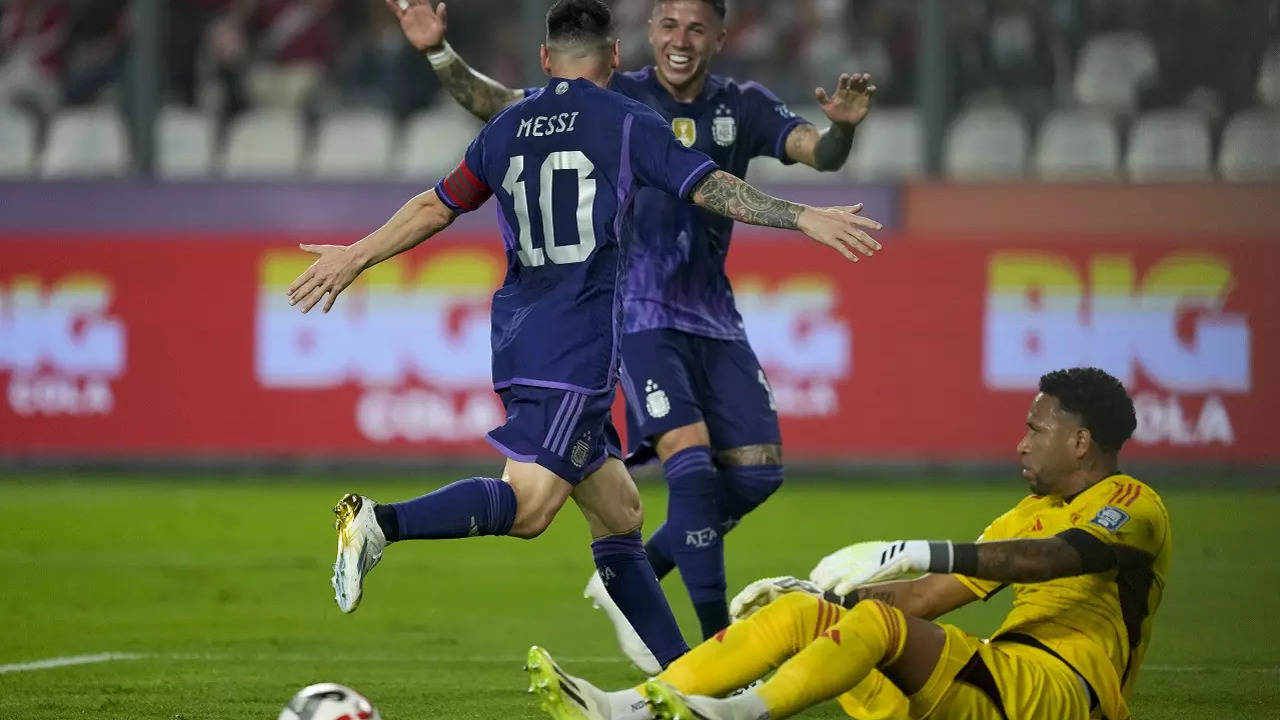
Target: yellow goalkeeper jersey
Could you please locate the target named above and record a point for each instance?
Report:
(1100, 624)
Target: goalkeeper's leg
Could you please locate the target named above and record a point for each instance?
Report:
(869, 636)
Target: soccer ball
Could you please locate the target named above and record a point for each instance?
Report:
(329, 701)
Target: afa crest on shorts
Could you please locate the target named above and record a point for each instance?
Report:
(686, 130)
(656, 402)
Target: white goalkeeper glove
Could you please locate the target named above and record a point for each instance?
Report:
(762, 592)
(865, 563)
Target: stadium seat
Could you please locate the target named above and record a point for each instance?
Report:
(1077, 145)
(184, 144)
(1251, 147)
(1269, 76)
(1110, 69)
(888, 146)
(354, 144)
(1169, 145)
(434, 141)
(283, 87)
(86, 143)
(264, 144)
(986, 143)
(17, 143)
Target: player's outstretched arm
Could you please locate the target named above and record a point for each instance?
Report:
(840, 228)
(1032, 560)
(828, 150)
(339, 265)
(424, 27)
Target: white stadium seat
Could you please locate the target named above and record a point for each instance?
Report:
(17, 143)
(184, 144)
(264, 144)
(1251, 147)
(1169, 145)
(1110, 69)
(1269, 76)
(86, 143)
(888, 146)
(435, 140)
(986, 143)
(354, 144)
(1077, 145)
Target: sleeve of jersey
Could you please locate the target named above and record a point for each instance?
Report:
(462, 190)
(660, 161)
(997, 530)
(770, 122)
(1132, 515)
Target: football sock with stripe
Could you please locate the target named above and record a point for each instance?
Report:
(627, 576)
(475, 506)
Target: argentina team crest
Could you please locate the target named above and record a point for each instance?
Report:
(656, 402)
(686, 130)
(724, 129)
(581, 451)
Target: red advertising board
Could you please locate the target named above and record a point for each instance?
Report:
(185, 345)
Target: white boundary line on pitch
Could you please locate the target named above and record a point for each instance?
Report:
(65, 661)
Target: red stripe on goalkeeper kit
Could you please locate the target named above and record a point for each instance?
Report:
(1137, 490)
(817, 626)
(1116, 494)
(892, 627)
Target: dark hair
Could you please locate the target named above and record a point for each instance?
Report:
(717, 5)
(586, 22)
(1100, 400)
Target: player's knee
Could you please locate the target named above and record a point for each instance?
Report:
(792, 605)
(682, 438)
(531, 525)
(750, 484)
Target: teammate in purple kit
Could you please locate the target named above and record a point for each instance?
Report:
(567, 163)
(697, 397)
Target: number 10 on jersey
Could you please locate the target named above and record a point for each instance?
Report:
(559, 253)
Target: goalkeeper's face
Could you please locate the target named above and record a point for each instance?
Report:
(685, 35)
(1053, 446)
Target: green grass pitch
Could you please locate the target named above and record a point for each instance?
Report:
(219, 591)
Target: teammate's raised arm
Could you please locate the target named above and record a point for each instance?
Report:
(339, 265)
(828, 150)
(840, 228)
(424, 27)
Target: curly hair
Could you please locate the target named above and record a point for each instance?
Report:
(1100, 400)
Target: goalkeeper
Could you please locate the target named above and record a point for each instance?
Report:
(1087, 554)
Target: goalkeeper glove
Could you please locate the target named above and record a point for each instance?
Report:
(865, 563)
(762, 592)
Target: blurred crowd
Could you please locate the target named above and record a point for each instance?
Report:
(226, 55)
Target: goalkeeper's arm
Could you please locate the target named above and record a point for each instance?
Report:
(928, 597)
(1071, 552)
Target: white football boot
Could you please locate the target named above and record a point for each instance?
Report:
(360, 544)
(628, 639)
(561, 695)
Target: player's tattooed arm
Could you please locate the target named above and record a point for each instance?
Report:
(1036, 560)
(724, 194)
(826, 150)
(928, 597)
(480, 95)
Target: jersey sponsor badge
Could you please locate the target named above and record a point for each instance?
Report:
(1110, 518)
(686, 130)
(656, 402)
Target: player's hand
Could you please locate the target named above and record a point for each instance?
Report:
(841, 228)
(762, 592)
(330, 274)
(851, 101)
(423, 26)
(865, 563)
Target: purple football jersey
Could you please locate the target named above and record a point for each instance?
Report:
(567, 163)
(677, 277)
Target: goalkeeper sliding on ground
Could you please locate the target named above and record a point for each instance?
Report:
(1087, 554)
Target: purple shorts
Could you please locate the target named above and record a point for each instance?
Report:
(567, 432)
(673, 378)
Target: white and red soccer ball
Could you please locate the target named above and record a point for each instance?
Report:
(329, 701)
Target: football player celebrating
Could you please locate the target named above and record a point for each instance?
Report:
(697, 397)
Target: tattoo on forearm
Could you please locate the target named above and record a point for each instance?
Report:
(1024, 561)
(833, 147)
(724, 194)
(480, 95)
(763, 454)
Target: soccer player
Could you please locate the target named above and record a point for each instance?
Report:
(697, 397)
(565, 163)
(1087, 554)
